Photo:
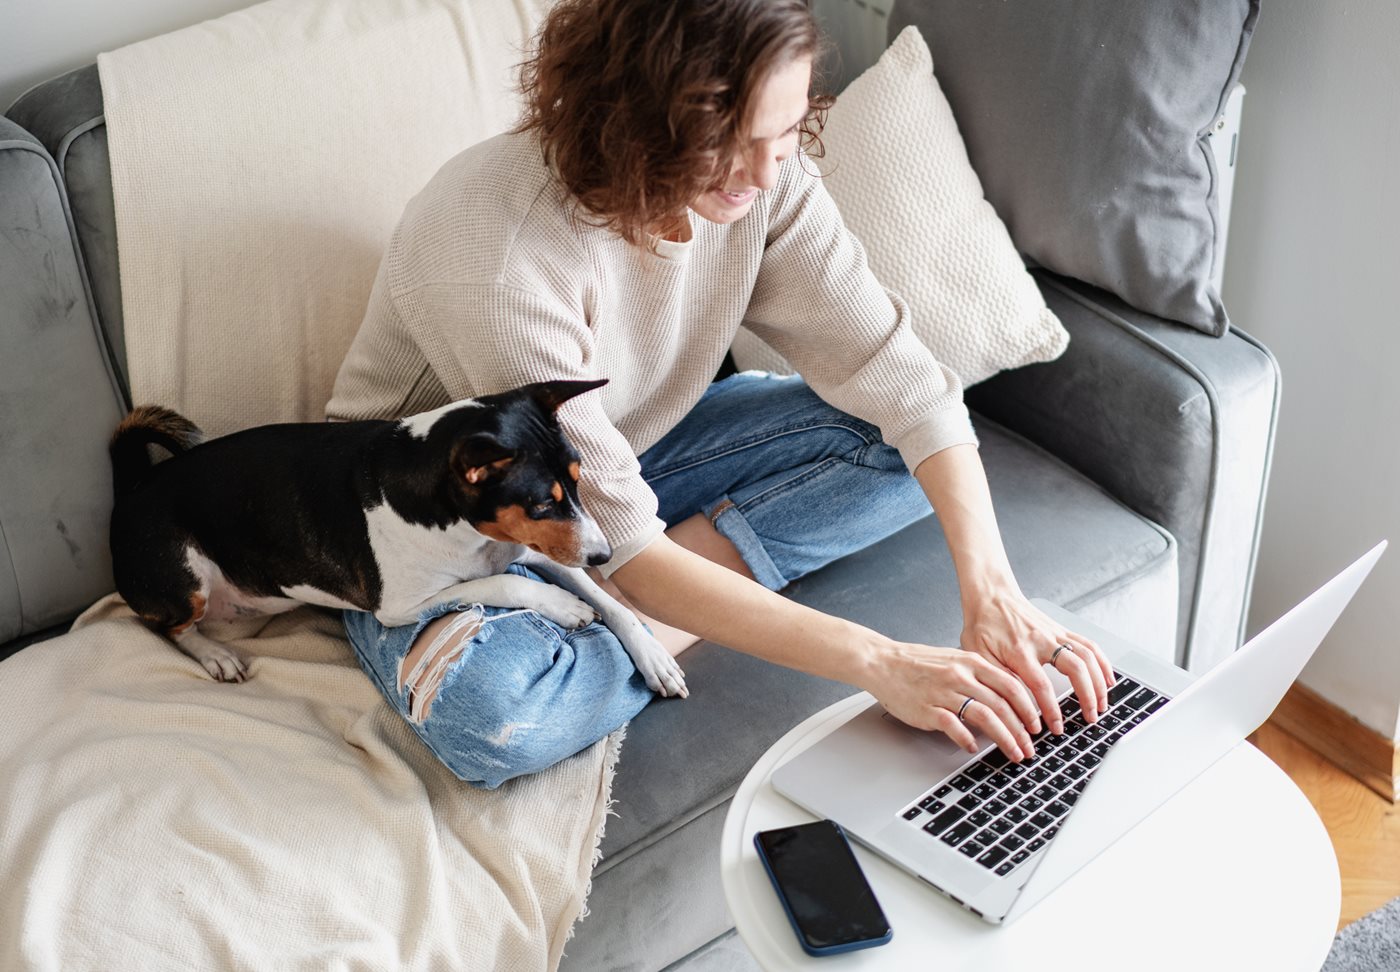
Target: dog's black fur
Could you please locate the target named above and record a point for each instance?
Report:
(283, 506)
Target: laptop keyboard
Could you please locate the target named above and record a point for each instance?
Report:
(999, 813)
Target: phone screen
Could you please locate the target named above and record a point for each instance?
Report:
(821, 882)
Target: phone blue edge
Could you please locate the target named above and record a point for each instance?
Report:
(801, 940)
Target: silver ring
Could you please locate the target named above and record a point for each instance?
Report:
(1069, 648)
(963, 708)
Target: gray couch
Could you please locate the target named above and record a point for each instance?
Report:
(1128, 478)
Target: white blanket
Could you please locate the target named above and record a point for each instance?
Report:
(153, 818)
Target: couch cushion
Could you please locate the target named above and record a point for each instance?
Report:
(58, 404)
(1089, 125)
(1068, 541)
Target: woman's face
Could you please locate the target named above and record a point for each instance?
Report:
(779, 107)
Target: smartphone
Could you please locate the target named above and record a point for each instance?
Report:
(822, 888)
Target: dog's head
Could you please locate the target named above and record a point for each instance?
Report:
(516, 474)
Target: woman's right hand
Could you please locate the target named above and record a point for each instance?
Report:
(924, 686)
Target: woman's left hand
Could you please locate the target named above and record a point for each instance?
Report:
(1008, 630)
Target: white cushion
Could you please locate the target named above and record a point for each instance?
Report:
(897, 168)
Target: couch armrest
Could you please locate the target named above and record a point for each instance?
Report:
(1178, 425)
(59, 402)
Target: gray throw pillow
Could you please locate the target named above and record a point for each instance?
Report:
(1087, 121)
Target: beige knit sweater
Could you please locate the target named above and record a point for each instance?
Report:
(487, 284)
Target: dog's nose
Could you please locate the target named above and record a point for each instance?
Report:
(602, 557)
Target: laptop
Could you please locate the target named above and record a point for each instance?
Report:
(997, 837)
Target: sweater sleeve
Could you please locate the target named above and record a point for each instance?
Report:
(818, 304)
(483, 339)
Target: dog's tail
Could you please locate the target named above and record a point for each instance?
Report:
(147, 425)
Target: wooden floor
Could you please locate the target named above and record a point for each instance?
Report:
(1365, 827)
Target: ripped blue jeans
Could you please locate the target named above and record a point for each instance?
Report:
(791, 481)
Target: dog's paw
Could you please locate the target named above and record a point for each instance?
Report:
(661, 672)
(224, 664)
(561, 607)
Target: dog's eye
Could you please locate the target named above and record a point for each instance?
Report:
(541, 510)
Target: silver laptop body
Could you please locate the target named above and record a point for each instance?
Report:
(871, 772)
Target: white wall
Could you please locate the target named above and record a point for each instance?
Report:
(1314, 272)
(40, 39)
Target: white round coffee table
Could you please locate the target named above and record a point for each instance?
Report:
(1235, 872)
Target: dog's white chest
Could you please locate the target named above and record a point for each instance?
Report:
(416, 562)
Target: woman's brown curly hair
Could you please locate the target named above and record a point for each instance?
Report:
(639, 103)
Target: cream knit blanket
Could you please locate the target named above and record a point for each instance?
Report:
(153, 818)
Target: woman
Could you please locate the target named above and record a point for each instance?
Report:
(654, 197)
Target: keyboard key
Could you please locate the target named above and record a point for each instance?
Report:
(1065, 752)
(1020, 856)
(987, 838)
(1013, 770)
(911, 813)
(961, 782)
(980, 819)
(1045, 747)
(944, 820)
(1036, 844)
(1074, 771)
(1030, 804)
(1001, 825)
(1096, 732)
(1040, 774)
(1005, 869)
(1057, 809)
(1121, 690)
(932, 804)
(1070, 797)
(1015, 815)
(1100, 750)
(1141, 699)
(968, 802)
(992, 857)
(994, 807)
(984, 792)
(1023, 785)
(958, 834)
(1041, 821)
(1046, 792)
(1051, 832)
(1068, 706)
(1059, 781)
(1110, 723)
(1053, 763)
(998, 780)
(1089, 761)
(996, 759)
(978, 772)
(1140, 718)
(1013, 843)
(943, 791)
(1027, 830)
(1082, 743)
(1155, 705)
(970, 849)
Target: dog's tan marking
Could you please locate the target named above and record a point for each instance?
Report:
(558, 540)
(573, 471)
(438, 646)
(198, 606)
(476, 474)
(557, 492)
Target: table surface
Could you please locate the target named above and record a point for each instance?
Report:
(1235, 872)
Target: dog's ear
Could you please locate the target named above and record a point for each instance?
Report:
(480, 456)
(552, 394)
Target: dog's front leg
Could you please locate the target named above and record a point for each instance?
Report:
(498, 590)
(662, 673)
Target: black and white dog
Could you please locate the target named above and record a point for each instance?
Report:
(391, 517)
